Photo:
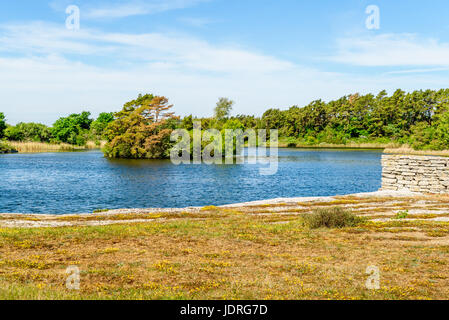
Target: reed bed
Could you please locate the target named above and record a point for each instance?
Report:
(31, 147)
(95, 145)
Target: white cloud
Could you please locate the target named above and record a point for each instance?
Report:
(58, 68)
(392, 50)
(47, 71)
(424, 70)
(136, 7)
(179, 51)
(196, 22)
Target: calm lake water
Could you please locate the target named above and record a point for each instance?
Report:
(85, 181)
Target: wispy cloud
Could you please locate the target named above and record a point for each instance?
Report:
(99, 71)
(180, 51)
(389, 50)
(197, 22)
(424, 70)
(137, 7)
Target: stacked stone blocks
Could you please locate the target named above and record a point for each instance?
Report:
(425, 174)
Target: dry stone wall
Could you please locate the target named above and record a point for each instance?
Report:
(424, 174)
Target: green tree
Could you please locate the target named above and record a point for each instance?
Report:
(233, 124)
(2, 124)
(187, 123)
(28, 132)
(422, 135)
(442, 131)
(141, 133)
(14, 133)
(99, 125)
(273, 119)
(247, 121)
(223, 109)
(132, 105)
(72, 129)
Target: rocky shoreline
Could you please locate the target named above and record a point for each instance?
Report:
(381, 205)
(380, 193)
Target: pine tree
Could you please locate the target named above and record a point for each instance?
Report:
(156, 109)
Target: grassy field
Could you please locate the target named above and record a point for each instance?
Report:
(245, 252)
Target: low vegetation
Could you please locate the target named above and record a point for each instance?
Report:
(251, 252)
(406, 149)
(335, 217)
(30, 147)
(402, 214)
(6, 147)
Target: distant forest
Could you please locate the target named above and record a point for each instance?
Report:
(419, 118)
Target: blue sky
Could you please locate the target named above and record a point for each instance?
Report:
(262, 54)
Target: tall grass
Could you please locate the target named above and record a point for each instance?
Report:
(31, 147)
(406, 149)
(95, 144)
(351, 145)
(296, 143)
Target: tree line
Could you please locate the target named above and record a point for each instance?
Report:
(75, 129)
(142, 128)
(419, 118)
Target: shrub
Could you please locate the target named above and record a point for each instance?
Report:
(331, 218)
(401, 215)
(28, 132)
(6, 148)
